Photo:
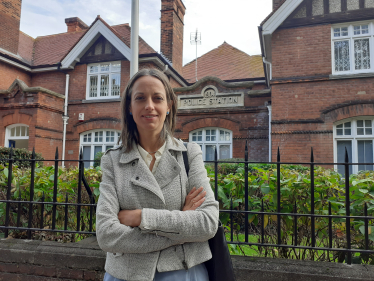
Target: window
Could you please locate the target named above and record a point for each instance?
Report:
(96, 141)
(103, 80)
(356, 136)
(17, 136)
(353, 48)
(209, 139)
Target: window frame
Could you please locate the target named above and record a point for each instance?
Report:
(203, 143)
(351, 38)
(92, 143)
(98, 74)
(354, 138)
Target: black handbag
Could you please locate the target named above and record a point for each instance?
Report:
(219, 267)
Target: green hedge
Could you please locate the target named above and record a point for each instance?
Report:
(19, 153)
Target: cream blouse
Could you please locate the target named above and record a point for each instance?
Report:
(148, 157)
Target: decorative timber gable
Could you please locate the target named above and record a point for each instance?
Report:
(102, 50)
(329, 11)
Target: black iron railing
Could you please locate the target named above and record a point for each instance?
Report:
(245, 211)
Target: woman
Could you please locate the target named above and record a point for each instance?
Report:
(151, 220)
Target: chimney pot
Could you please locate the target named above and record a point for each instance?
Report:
(75, 24)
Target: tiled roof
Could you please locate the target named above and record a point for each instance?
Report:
(51, 49)
(272, 13)
(225, 62)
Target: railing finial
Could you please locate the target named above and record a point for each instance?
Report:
(56, 155)
(311, 155)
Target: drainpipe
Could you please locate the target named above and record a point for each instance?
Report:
(269, 108)
(270, 67)
(65, 118)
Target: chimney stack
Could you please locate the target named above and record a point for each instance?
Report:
(75, 24)
(276, 3)
(10, 16)
(172, 25)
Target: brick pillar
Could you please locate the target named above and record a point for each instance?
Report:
(10, 15)
(172, 24)
(276, 3)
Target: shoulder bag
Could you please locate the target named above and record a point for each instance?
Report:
(219, 267)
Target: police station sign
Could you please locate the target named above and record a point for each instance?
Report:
(210, 98)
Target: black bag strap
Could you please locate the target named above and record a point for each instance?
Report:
(185, 159)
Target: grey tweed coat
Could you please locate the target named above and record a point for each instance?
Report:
(168, 238)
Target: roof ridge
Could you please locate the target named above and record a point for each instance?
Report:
(224, 42)
(27, 35)
(58, 34)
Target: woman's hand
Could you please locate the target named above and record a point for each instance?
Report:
(194, 199)
(131, 218)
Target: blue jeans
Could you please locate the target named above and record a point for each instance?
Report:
(196, 273)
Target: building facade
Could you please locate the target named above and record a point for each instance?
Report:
(319, 58)
(64, 90)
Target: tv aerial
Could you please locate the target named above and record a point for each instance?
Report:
(195, 39)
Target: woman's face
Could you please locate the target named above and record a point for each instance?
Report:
(149, 105)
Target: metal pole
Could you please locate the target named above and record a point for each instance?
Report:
(65, 118)
(196, 57)
(134, 37)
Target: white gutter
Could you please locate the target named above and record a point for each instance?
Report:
(134, 64)
(65, 118)
(269, 108)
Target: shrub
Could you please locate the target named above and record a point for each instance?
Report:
(97, 160)
(19, 153)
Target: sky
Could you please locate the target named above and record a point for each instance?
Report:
(234, 21)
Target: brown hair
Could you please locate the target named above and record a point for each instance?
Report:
(129, 132)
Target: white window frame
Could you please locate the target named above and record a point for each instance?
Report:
(8, 133)
(354, 138)
(351, 37)
(98, 74)
(92, 143)
(203, 143)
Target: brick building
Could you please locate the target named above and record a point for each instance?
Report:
(319, 58)
(63, 90)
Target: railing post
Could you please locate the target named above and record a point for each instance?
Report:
(31, 192)
(366, 227)
(347, 207)
(55, 191)
(295, 224)
(312, 198)
(246, 190)
(278, 199)
(81, 170)
(9, 191)
(215, 173)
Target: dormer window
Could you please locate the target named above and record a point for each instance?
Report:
(352, 48)
(103, 80)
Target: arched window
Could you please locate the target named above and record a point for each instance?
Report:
(17, 135)
(209, 139)
(356, 135)
(96, 141)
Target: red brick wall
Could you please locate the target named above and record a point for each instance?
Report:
(301, 51)
(54, 81)
(9, 73)
(172, 17)
(10, 14)
(248, 123)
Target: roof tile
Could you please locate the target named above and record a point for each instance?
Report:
(225, 62)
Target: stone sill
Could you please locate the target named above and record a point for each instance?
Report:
(101, 100)
(350, 76)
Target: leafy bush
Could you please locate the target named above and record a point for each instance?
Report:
(19, 153)
(97, 159)
(67, 183)
(295, 189)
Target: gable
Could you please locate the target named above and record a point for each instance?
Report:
(97, 29)
(330, 11)
(102, 50)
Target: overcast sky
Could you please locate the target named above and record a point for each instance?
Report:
(233, 21)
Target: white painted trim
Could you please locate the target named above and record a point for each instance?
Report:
(159, 63)
(15, 63)
(44, 69)
(203, 143)
(280, 16)
(89, 38)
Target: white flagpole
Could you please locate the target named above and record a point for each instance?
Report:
(134, 65)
